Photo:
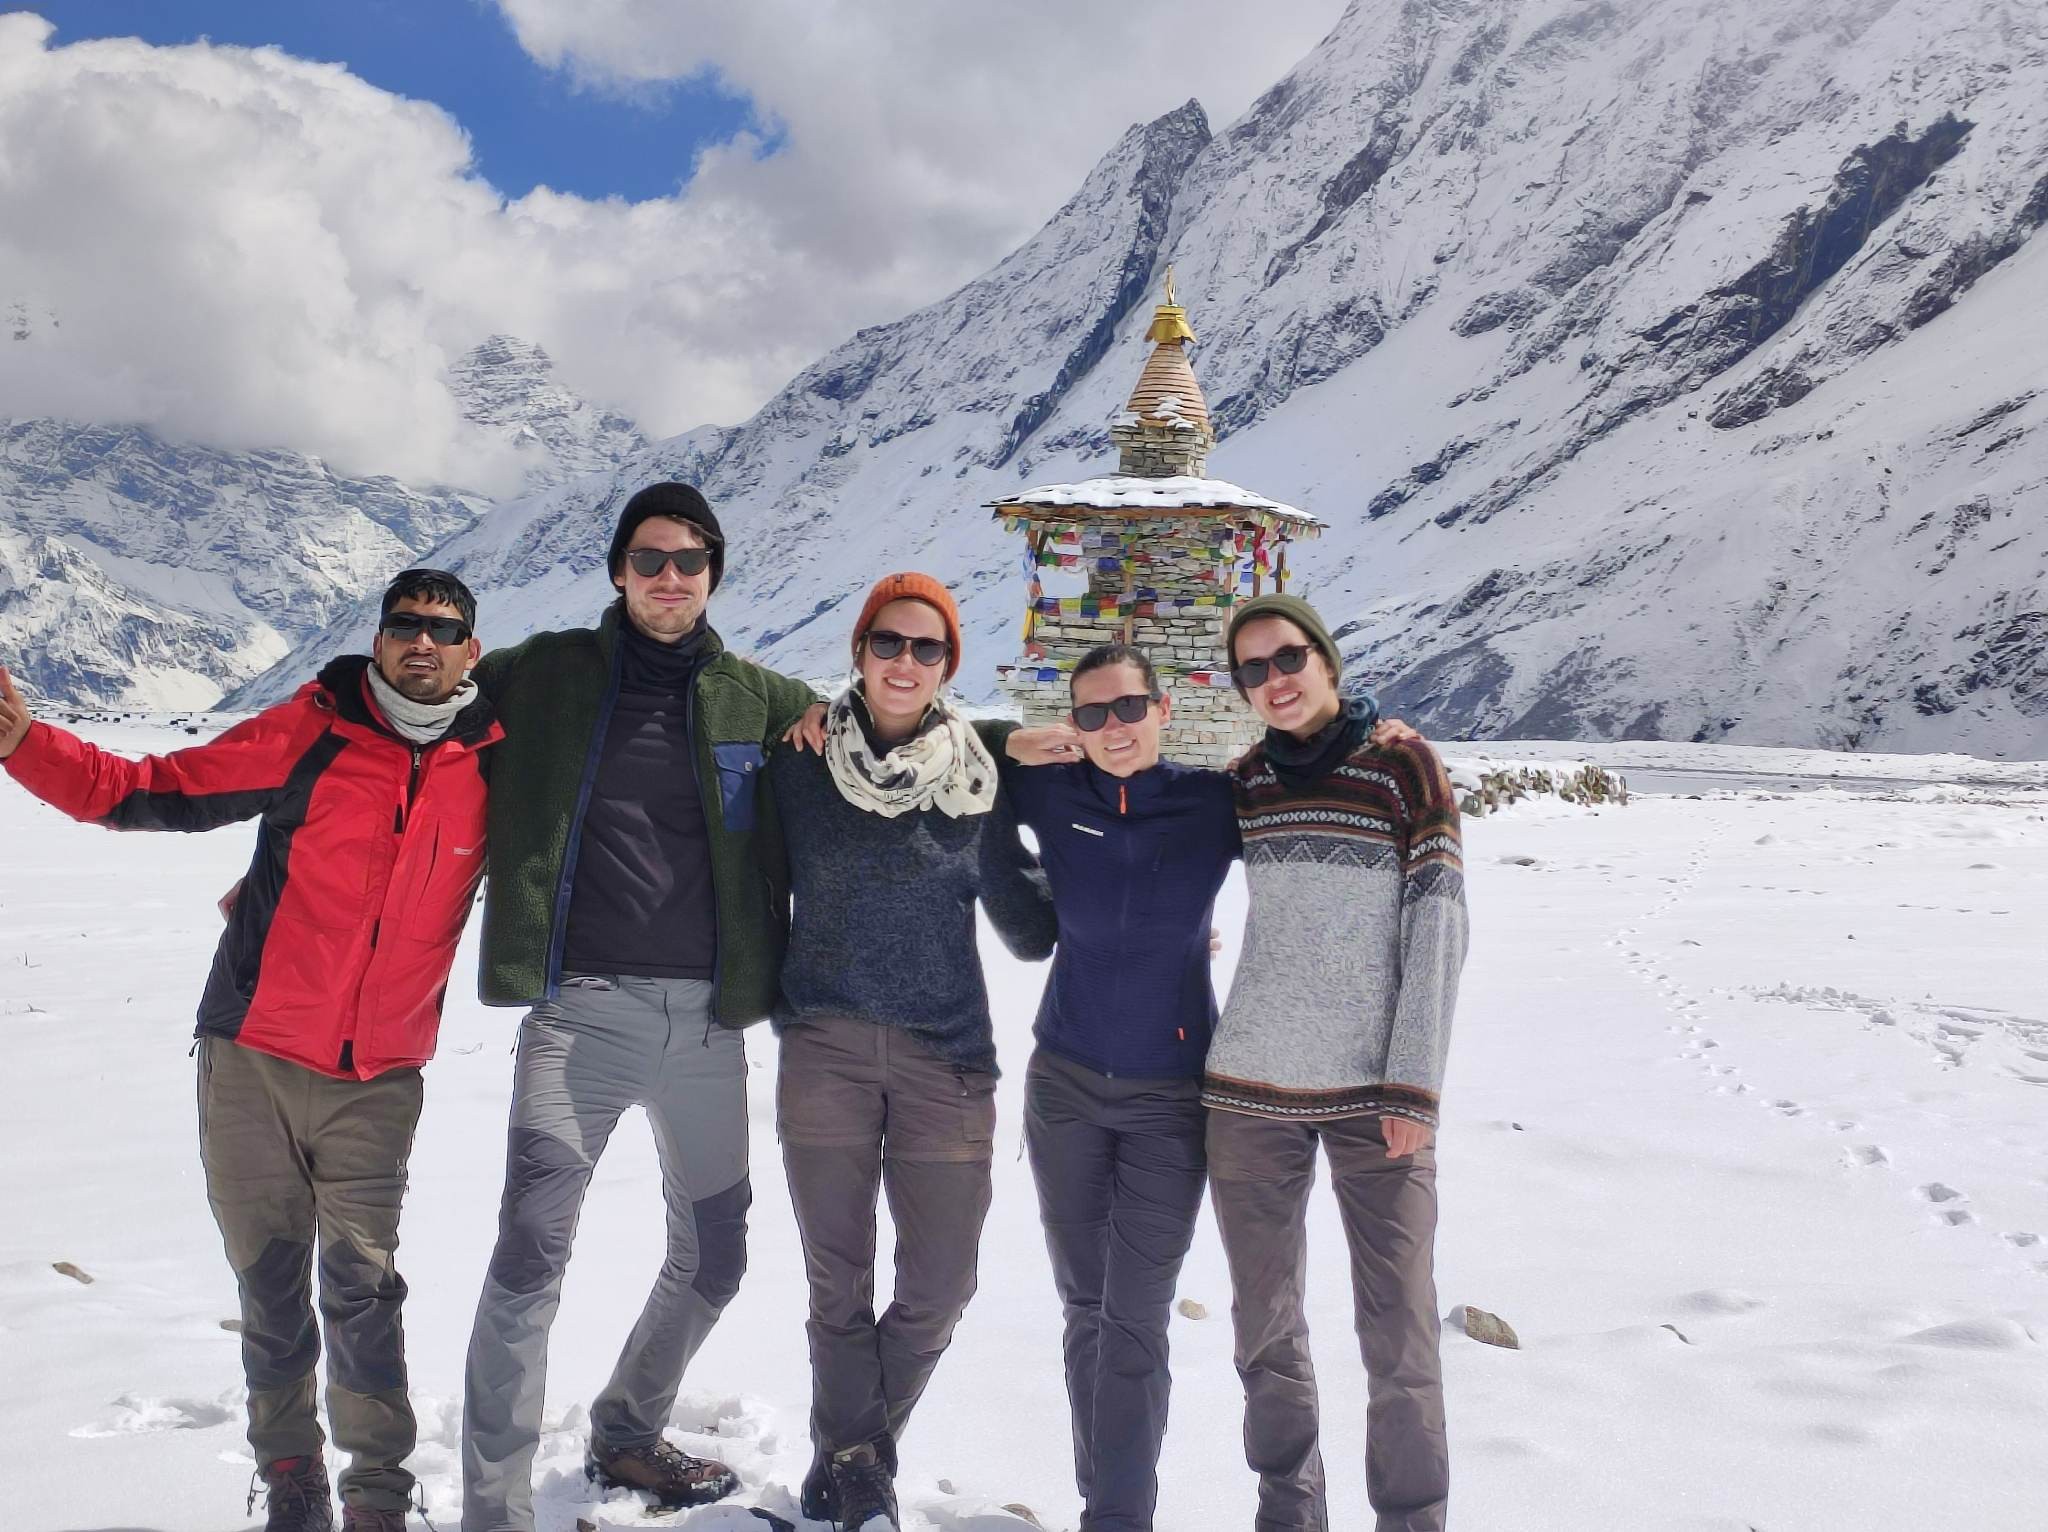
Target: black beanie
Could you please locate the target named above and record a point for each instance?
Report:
(680, 502)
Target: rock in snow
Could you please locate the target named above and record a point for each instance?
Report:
(1661, 371)
(1487, 1329)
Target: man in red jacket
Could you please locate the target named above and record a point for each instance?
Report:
(323, 1003)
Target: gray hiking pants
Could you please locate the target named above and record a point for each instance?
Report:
(605, 1045)
(1260, 1171)
(290, 1153)
(860, 1109)
(1119, 1171)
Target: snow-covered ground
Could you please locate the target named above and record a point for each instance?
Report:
(1745, 1137)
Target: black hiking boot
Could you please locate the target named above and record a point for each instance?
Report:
(297, 1495)
(816, 1499)
(863, 1489)
(663, 1470)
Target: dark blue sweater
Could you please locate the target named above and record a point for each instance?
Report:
(882, 927)
(1134, 864)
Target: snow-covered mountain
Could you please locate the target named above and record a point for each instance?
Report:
(1662, 369)
(509, 385)
(144, 572)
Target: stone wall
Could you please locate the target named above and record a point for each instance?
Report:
(1210, 725)
(1160, 452)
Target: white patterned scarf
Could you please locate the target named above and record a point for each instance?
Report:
(944, 766)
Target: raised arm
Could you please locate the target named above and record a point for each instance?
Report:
(233, 777)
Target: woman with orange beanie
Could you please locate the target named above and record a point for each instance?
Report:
(888, 1058)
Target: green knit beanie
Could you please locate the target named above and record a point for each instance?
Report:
(1296, 611)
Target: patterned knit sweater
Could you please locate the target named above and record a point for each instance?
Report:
(1343, 998)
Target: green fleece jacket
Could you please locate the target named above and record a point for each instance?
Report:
(553, 695)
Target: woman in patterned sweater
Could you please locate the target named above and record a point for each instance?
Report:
(1334, 1035)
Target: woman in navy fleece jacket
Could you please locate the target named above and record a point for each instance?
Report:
(1135, 849)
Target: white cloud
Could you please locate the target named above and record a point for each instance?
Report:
(245, 248)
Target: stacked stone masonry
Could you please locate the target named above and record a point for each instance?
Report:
(1150, 452)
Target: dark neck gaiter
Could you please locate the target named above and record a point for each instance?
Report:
(1301, 762)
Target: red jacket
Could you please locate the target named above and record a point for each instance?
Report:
(368, 856)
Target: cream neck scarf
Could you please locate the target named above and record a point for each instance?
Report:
(943, 766)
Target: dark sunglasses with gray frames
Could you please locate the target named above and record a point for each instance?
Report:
(884, 645)
(1251, 674)
(407, 626)
(649, 562)
(1131, 708)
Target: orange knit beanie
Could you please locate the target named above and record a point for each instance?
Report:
(912, 587)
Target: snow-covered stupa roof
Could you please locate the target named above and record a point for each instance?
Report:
(1128, 495)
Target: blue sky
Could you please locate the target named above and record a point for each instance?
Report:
(234, 252)
(530, 125)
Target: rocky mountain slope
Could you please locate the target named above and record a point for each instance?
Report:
(1662, 370)
(144, 572)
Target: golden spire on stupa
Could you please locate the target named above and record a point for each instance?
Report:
(1167, 398)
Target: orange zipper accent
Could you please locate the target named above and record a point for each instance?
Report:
(1123, 802)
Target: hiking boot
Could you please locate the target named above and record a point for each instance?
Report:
(863, 1490)
(297, 1495)
(663, 1470)
(816, 1499)
(363, 1518)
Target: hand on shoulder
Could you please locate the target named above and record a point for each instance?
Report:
(1389, 732)
(15, 717)
(1050, 744)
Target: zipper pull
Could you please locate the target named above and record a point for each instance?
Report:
(1123, 799)
(412, 791)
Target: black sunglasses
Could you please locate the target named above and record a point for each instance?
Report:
(884, 645)
(407, 626)
(1251, 674)
(1090, 716)
(649, 562)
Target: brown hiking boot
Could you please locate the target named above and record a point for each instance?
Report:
(663, 1470)
(299, 1498)
(363, 1518)
(863, 1489)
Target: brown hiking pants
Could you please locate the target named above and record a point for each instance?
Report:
(294, 1158)
(863, 1109)
(1260, 1172)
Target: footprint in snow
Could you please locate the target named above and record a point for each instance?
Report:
(135, 1415)
(1937, 1191)
(1868, 1154)
(1719, 1301)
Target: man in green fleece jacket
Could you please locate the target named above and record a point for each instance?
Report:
(636, 904)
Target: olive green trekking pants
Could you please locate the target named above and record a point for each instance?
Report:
(297, 1163)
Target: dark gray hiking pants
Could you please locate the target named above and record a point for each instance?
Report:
(1260, 1171)
(604, 1046)
(290, 1153)
(860, 1109)
(1119, 1171)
